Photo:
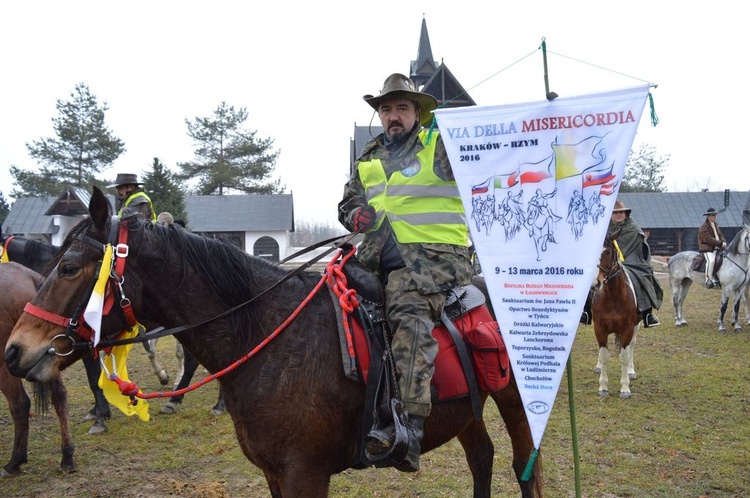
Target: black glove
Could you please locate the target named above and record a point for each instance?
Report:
(364, 218)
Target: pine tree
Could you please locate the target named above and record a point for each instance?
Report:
(4, 208)
(228, 157)
(83, 147)
(164, 191)
(644, 171)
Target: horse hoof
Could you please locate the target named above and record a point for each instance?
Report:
(603, 394)
(632, 376)
(218, 411)
(163, 377)
(597, 370)
(99, 427)
(680, 324)
(168, 409)
(737, 328)
(722, 329)
(6, 473)
(624, 395)
(89, 416)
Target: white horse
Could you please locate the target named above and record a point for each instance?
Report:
(733, 276)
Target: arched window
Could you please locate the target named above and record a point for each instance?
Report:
(267, 248)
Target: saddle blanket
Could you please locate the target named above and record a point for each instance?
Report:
(483, 340)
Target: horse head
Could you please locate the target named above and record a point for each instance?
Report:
(42, 342)
(609, 261)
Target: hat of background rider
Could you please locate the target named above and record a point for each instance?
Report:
(125, 179)
(399, 86)
(710, 212)
(620, 208)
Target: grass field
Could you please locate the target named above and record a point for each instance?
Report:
(684, 433)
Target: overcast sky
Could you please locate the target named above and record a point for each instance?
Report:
(301, 69)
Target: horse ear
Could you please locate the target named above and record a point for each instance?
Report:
(99, 209)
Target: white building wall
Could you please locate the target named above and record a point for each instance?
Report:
(281, 237)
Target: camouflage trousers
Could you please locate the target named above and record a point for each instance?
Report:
(412, 316)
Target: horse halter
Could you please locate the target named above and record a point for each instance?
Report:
(117, 239)
(615, 267)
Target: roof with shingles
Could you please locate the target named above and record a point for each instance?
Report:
(27, 216)
(683, 209)
(240, 213)
(206, 213)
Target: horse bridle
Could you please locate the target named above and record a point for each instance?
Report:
(117, 238)
(615, 267)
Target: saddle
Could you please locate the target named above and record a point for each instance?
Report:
(472, 357)
(699, 263)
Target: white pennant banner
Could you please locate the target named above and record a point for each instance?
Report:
(538, 182)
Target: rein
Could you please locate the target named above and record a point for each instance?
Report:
(332, 277)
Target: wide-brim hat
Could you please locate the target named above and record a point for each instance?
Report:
(710, 212)
(399, 86)
(620, 208)
(125, 179)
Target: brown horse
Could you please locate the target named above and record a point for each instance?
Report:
(615, 312)
(296, 415)
(19, 285)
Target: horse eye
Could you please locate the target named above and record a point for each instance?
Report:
(68, 270)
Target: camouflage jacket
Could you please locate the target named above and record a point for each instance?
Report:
(435, 267)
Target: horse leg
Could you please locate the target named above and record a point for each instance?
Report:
(625, 361)
(100, 412)
(510, 405)
(722, 312)
(220, 407)
(19, 405)
(60, 402)
(190, 365)
(161, 373)
(631, 362)
(736, 311)
(304, 480)
(679, 292)
(179, 352)
(479, 452)
(602, 364)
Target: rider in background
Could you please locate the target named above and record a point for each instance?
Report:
(710, 242)
(636, 255)
(130, 194)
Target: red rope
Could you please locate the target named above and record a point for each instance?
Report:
(347, 297)
(131, 389)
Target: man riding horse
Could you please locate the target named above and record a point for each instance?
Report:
(636, 255)
(402, 195)
(710, 243)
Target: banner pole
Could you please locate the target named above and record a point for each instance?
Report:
(573, 430)
(550, 95)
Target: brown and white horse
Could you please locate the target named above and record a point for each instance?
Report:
(615, 312)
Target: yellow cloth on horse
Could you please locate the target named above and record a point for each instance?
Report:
(116, 363)
(4, 258)
(619, 252)
(95, 307)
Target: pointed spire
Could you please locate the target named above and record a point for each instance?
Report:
(425, 66)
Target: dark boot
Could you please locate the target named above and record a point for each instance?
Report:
(650, 320)
(380, 441)
(416, 432)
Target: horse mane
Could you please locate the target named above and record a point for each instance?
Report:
(233, 275)
(734, 245)
(32, 253)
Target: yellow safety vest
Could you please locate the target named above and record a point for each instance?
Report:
(421, 207)
(133, 196)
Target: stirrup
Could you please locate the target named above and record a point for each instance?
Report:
(400, 446)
